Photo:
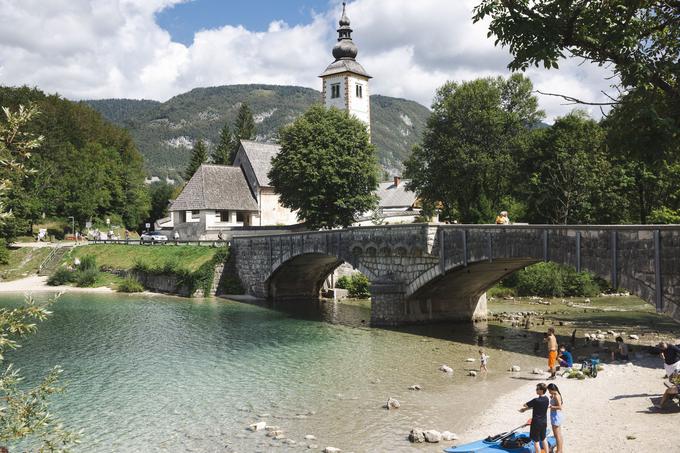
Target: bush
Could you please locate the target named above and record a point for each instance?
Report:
(86, 278)
(130, 285)
(4, 252)
(87, 263)
(500, 291)
(61, 276)
(357, 285)
(553, 280)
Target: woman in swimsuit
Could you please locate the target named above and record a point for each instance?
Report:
(556, 415)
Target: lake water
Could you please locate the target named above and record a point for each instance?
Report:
(163, 374)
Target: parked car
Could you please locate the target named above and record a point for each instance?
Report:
(153, 236)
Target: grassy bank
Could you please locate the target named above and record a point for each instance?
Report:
(23, 262)
(126, 257)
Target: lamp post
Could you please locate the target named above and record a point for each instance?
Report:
(73, 226)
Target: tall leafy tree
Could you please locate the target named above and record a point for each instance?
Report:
(475, 137)
(199, 156)
(569, 177)
(327, 168)
(160, 193)
(222, 154)
(640, 39)
(244, 129)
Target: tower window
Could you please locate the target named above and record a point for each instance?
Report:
(335, 90)
(360, 91)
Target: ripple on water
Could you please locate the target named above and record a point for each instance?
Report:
(156, 374)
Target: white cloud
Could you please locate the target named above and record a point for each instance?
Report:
(114, 48)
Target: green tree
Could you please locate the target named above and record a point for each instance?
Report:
(160, 193)
(244, 129)
(199, 156)
(327, 169)
(640, 39)
(222, 154)
(475, 137)
(570, 179)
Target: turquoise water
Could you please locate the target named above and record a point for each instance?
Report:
(161, 374)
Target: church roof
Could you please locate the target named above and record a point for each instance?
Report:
(219, 187)
(340, 66)
(345, 51)
(395, 196)
(260, 156)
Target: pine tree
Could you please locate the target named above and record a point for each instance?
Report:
(222, 153)
(244, 129)
(199, 156)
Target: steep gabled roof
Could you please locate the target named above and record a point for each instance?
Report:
(260, 156)
(220, 187)
(395, 196)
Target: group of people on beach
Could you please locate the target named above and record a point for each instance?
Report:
(539, 417)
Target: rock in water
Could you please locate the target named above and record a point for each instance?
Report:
(392, 404)
(310, 437)
(470, 359)
(416, 436)
(433, 436)
(446, 369)
(472, 373)
(537, 371)
(257, 426)
(331, 450)
(515, 369)
(448, 435)
(415, 387)
(633, 337)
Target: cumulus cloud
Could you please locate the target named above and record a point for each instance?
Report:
(87, 49)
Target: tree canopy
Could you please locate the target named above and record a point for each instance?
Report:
(222, 154)
(199, 156)
(474, 140)
(327, 168)
(244, 129)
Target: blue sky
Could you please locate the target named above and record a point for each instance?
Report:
(183, 20)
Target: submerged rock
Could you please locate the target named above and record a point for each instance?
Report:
(416, 435)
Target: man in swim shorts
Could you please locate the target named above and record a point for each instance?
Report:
(552, 352)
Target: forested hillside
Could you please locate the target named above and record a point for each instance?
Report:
(165, 132)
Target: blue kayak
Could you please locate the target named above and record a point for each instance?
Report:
(515, 443)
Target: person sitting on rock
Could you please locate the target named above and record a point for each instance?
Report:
(565, 357)
(671, 392)
(621, 352)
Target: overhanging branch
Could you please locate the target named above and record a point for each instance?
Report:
(573, 100)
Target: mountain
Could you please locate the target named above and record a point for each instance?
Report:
(164, 132)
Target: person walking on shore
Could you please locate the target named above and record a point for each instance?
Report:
(483, 361)
(552, 352)
(539, 418)
(556, 416)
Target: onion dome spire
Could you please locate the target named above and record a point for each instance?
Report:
(345, 49)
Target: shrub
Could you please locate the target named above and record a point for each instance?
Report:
(61, 276)
(553, 280)
(4, 252)
(500, 291)
(343, 282)
(130, 285)
(87, 263)
(357, 285)
(86, 278)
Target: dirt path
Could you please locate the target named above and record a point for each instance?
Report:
(35, 284)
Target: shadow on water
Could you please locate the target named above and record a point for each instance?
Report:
(496, 335)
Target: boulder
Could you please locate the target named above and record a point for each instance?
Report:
(415, 387)
(331, 450)
(416, 435)
(515, 369)
(392, 403)
(600, 336)
(257, 426)
(472, 373)
(633, 337)
(271, 428)
(537, 371)
(448, 435)
(310, 437)
(446, 369)
(433, 436)
(275, 433)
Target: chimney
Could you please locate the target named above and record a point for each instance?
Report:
(397, 180)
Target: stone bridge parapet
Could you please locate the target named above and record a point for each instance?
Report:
(429, 273)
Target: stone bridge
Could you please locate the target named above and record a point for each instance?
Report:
(431, 273)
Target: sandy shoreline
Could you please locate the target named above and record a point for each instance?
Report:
(611, 413)
(38, 284)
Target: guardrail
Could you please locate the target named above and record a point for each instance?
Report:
(208, 243)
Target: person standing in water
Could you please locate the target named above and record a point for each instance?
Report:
(552, 352)
(483, 361)
(556, 415)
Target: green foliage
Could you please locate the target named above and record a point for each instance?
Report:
(553, 280)
(224, 153)
(475, 137)
(24, 411)
(357, 285)
(326, 169)
(84, 166)
(199, 156)
(665, 215)
(86, 278)
(130, 285)
(396, 124)
(160, 194)
(4, 252)
(570, 179)
(88, 262)
(62, 276)
(244, 126)
(640, 39)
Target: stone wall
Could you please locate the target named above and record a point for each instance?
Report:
(429, 273)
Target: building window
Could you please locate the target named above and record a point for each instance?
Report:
(182, 217)
(195, 215)
(360, 91)
(223, 215)
(335, 90)
(240, 217)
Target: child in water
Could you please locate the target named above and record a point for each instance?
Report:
(483, 360)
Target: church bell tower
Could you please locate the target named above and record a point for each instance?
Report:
(345, 81)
